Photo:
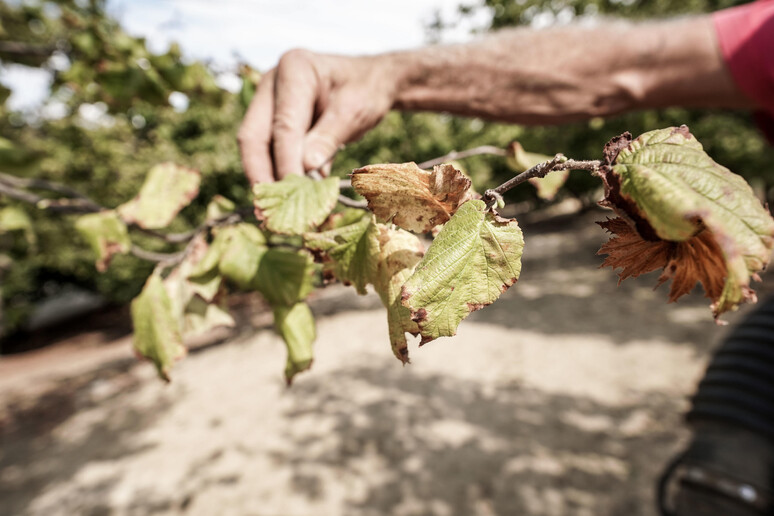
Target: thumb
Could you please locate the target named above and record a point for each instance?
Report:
(324, 139)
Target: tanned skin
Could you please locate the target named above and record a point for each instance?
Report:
(310, 104)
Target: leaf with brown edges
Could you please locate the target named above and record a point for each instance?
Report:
(409, 197)
(701, 222)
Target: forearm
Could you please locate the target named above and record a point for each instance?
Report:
(570, 73)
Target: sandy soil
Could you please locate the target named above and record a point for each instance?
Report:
(564, 398)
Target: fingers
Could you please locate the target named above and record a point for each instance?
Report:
(255, 133)
(296, 93)
(324, 139)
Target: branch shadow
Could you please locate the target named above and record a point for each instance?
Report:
(454, 447)
(35, 457)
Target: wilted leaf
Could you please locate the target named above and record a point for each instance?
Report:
(296, 204)
(219, 207)
(352, 249)
(520, 160)
(106, 234)
(295, 324)
(285, 276)
(167, 189)
(399, 253)
(157, 333)
(698, 259)
(474, 259)
(668, 188)
(410, 197)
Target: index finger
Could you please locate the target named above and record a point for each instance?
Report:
(255, 132)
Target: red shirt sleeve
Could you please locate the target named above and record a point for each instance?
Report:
(746, 37)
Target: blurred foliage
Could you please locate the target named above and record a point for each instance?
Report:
(108, 120)
(113, 122)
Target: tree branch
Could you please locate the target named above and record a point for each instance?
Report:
(474, 151)
(352, 203)
(19, 48)
(558, 162)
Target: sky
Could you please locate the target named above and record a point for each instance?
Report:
(260, 31)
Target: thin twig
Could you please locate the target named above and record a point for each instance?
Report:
(352, 203)
(53, 205)
(152, 256)
(42, 184)
(170, 238)
(474, 151)
(24, 49)
(558, 162)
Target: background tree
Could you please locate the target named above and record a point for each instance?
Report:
(108, 120)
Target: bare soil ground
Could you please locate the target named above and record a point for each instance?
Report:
(564, 398)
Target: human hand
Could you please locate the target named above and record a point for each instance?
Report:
(310, 105)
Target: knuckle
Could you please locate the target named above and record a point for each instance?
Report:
(296, 57)
(284, 125)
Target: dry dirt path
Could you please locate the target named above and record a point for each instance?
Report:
(564, 398)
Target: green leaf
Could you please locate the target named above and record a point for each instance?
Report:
(13, 218)
(295, 324)
(219, 207)
(243, 249)
(157, 333)
(296, 204)
(474, 259)
(182, 286)
(106, 234)
(193, 302)
(200, 317)
(167, 189)
(352, 249)
(400, 252)
(520, 160)
(672, 190)
(285, 276)
(409, 197)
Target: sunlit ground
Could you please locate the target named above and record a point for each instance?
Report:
(564, 398)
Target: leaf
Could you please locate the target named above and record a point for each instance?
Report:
(157, 333)
(285, 276)
(296, 204)
(180, 284)
(400, 252)
(193, 303)
(520, 160)
(167, 189)
(474, 259)
(353, 251)
(698, 259)
(200, 317)
(219, 207)
(409, 197)
(106, 234)
(295, 324)
(13, 218)
(242, 251)
(668, 188)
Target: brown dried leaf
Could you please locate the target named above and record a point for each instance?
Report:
(666, 187)
(409, 197)
(696, 260)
